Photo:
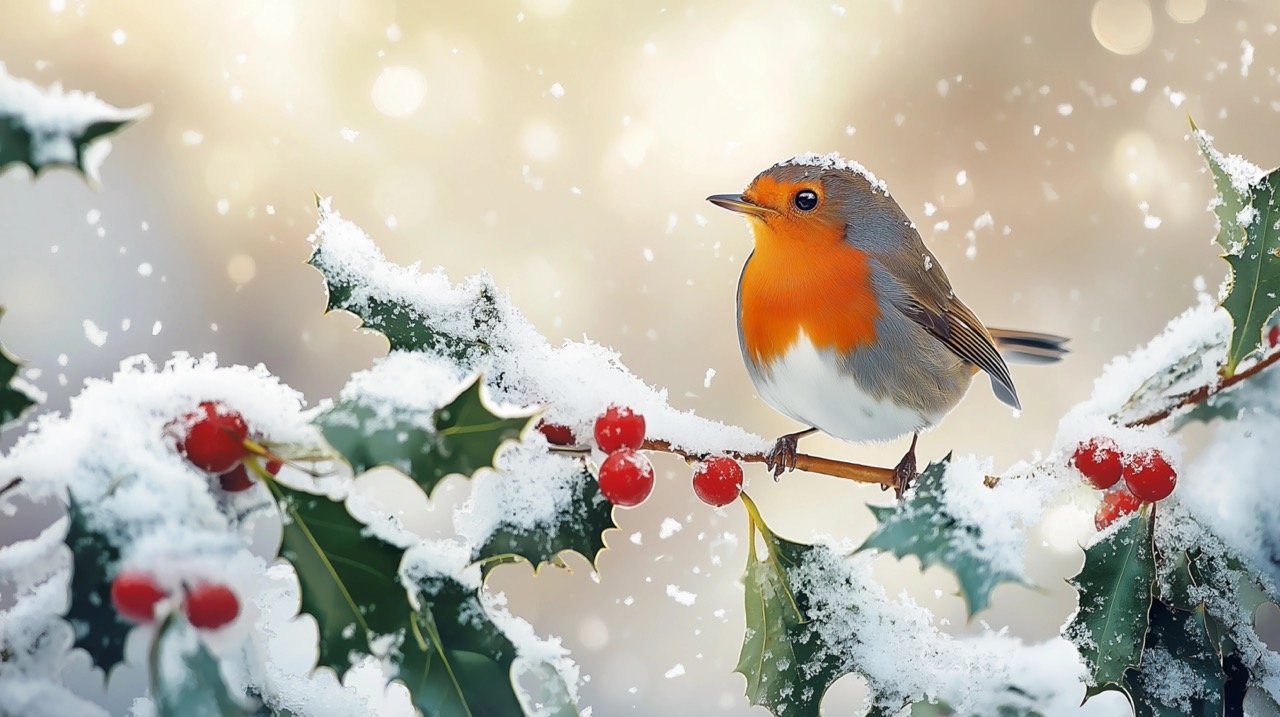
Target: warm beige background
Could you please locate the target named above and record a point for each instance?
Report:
(588, 207)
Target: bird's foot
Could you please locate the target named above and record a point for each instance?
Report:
(904, 474)
(783, 456)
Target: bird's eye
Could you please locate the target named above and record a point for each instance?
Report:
(805, 200)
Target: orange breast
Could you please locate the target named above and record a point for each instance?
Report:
(819, 285)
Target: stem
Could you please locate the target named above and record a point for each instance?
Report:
(812, 464)
(1202, 394)
(10, 486)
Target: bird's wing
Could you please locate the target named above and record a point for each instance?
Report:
(927, 299)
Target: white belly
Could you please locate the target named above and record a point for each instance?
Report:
(807, 387)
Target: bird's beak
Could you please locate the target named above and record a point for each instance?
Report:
(739, 203)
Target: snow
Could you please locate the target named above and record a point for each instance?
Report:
(1246, 57)
(58, 119)
(910, 659)
(833, 161)
(1244, 175)
(684, 597)
(575, 381)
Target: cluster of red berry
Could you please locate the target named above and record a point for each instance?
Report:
(1148, 478)
(626, 476)
(214, 441)
(206, 605)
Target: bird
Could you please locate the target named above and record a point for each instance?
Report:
(848, 323)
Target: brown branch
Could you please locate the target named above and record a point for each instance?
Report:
(1204, 393)
(804, 462)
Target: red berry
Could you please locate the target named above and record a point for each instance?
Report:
(556, 434)
(236, 479)
(1099, 461)
(718, 481)
(214, 439)
(135, 595)
(273, 466)
(1115, 504)
(1149, 476)
(626, 478)
(619, 428)
(1273, 336)
(210, 606)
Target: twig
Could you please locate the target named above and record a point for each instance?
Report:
(10, 486)
(1202, 394)
(804, 462)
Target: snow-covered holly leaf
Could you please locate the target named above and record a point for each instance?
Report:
(1181, 674)
(460, 437)
(579, 528)
(396, 301)
(781, 659)
(185, 678)
(51, 127)
(1255, 285)
(98, 628)
(455, 660)
(1231, 179)
(15, 398)
(349, 579)
(1249, 235)
(1115, 586)
(922, 526)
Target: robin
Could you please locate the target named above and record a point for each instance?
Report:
(847, 322)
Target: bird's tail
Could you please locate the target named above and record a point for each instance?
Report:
(1029, 346)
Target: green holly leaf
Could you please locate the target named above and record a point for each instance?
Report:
(1233, 196)
(15, 399)
(786, 664)
(98, 628)
(922, 526)
(457, 663)
(1181, 674)
(460, 327)
(425, 445)
(1115, 586)
(348, 579)
(1255, 285)
(1249, 236)
(197, 688)
(579, 528)
(43, 128)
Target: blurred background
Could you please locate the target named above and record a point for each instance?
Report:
(566, 147)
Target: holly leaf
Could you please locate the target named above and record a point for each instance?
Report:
(425, 445)
(98, 628)
(409, 309)
(579, 528)
(1254, 295)
(457, 663)
(1180, 675)
(922, 526)
(1249, 236)
(197, 688)
(1115, 586)
(43, 128)
(15, 396)
(1232, 195)
(349, 580)
(786, 664)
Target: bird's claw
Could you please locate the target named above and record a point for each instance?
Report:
(904, 474)
(783, 456)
